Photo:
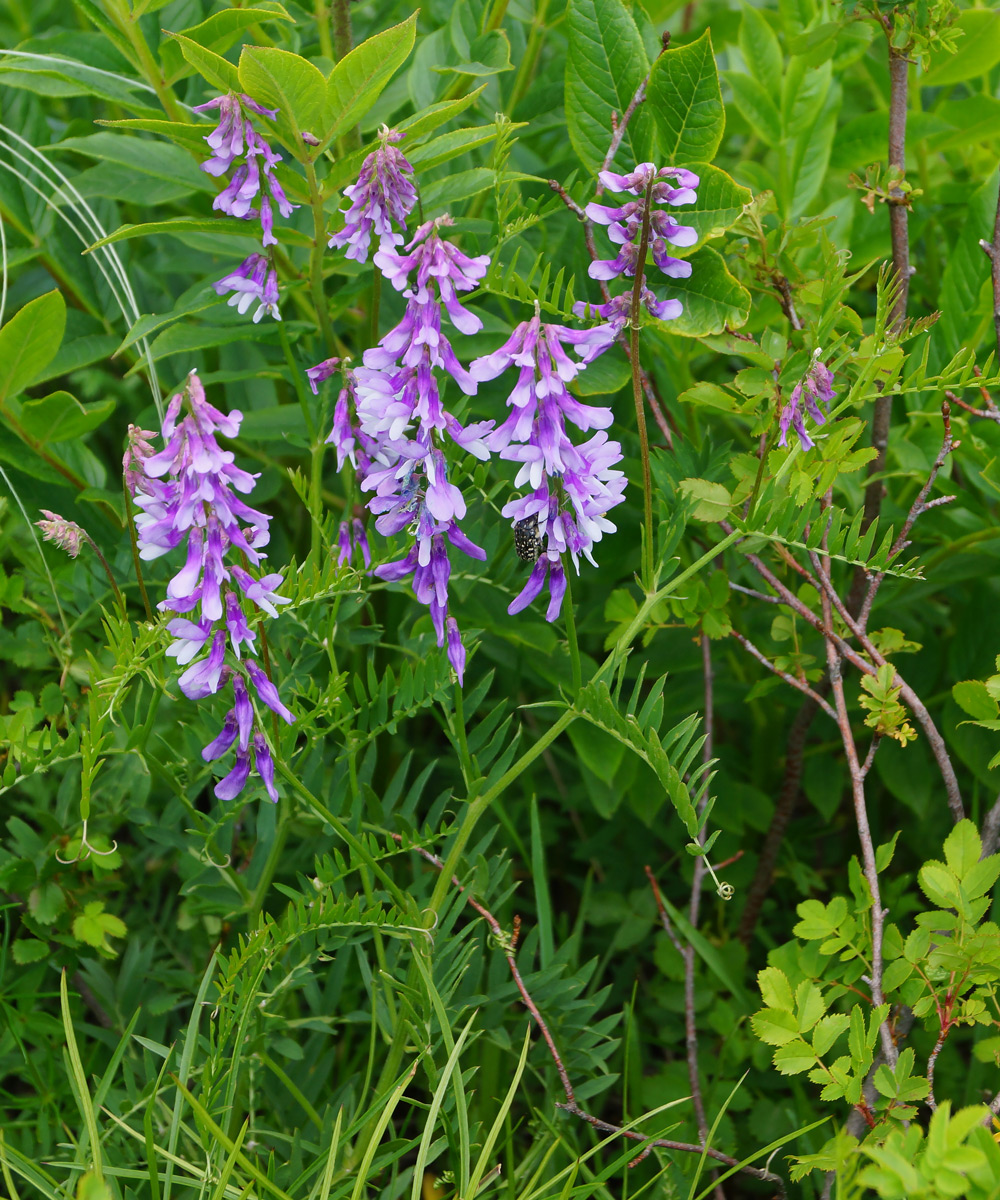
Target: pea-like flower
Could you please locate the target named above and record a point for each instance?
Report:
(812, 390)
(382, 199)
(190, 494)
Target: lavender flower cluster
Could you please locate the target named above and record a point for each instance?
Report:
(627, 223)
(253, 182)
(813, 389)
(391, 424)
(190, 493)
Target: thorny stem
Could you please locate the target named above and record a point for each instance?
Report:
(637, 393)
(507, 943)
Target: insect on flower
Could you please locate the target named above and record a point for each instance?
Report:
(527, 543)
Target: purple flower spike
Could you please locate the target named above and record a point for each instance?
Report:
(191, 491)
(813, 389)
(383, 197)
(268, 693)
(456, 650)
(255, 279)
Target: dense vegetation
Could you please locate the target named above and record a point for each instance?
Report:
(592, 789)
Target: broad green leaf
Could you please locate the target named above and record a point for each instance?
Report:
(209, 65)
(59, 417)
(972, 697)
(685, 102)
(178, 226)
(962, 848)
(709, 394)
(291, 84)
(977, 53)
(760, 49)
(29, 341)
(488, 55)
(29, 950)
(803, 95)
(713, 300)
(356, 82)
(191, 137)
(46, 902)
(219, 31)
(712, 500)
(979, 880)
(811, 154)
(451, 144)
(719, 206)
(141, 155)
(755, 106)
(809, 1005)
(605, 64)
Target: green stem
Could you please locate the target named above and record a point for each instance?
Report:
(316, 258)
(107, 571)
(529, 61)
(376, 302)
(340, 11)
(640, 404)
(130, 522)
(469, 772)
(345, 834)
(270, 866)
(323, 29)
(154, 77)
(479, 805)
(574, 646)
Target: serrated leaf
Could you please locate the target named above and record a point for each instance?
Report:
(827, 1030)
(774, 1026)
(962, 848)
(794, 1058)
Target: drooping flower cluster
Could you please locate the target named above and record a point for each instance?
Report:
(625, 224)
(398, 428)
(383, 196)
(571, 487)
(190, 493)
(253, 192)
(812, 390)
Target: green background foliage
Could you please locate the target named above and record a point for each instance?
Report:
(294, 1001)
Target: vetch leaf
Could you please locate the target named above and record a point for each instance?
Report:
(755, 106)
(686, 103)
(209, 65)
(760, 49)
(605, 64)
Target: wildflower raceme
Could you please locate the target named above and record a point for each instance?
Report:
(190, 495)
(570, 487)
(399, 428)
(253, 192)
(812, 390)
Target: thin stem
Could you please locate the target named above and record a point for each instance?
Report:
(637, 394)
(376, 302)
(130, 522)
(322, 16)
(478, 805)
(574, 647)
(319, 248)
(107, 571)
(340, 12)
(154, 77)
(529, 60)
(469, 772)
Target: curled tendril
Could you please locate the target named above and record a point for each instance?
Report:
(86, 850)
(725, 891)
(206, 858)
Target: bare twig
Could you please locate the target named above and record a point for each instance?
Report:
(991, 829)
(834, 663)
(507, 946)
(993, 253)
(920, 505)
(799, 684)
